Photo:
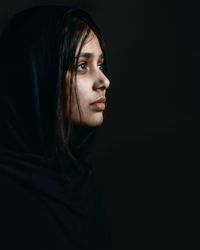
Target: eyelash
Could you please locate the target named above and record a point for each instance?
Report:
(85, 65)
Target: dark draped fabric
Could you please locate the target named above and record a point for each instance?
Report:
(41, 207)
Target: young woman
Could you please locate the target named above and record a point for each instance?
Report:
(53, 89)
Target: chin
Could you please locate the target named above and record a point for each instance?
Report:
(94, 122)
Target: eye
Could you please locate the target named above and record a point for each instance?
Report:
(101, 66)
(81, 67)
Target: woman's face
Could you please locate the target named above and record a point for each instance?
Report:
(91, 85)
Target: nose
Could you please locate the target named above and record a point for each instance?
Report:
(102, 82)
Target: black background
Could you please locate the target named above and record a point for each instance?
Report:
(147, 150)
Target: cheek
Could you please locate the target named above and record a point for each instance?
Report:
(83, 92)
(79, 102)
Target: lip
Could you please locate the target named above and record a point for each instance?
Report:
(100, 100)
(99, 104)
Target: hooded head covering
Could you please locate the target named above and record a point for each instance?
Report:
(30, 57)
(49, 210)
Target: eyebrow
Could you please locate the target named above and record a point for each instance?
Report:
(89, 55)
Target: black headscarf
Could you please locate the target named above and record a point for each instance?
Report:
(41, 208)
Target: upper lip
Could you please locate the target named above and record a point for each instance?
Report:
(100, 99)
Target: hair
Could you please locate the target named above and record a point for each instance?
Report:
(76, 30)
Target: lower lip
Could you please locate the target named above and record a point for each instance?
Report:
(99, 106)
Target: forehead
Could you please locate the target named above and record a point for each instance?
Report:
(91, 45)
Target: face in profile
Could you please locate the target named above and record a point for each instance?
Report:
(89, 89)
